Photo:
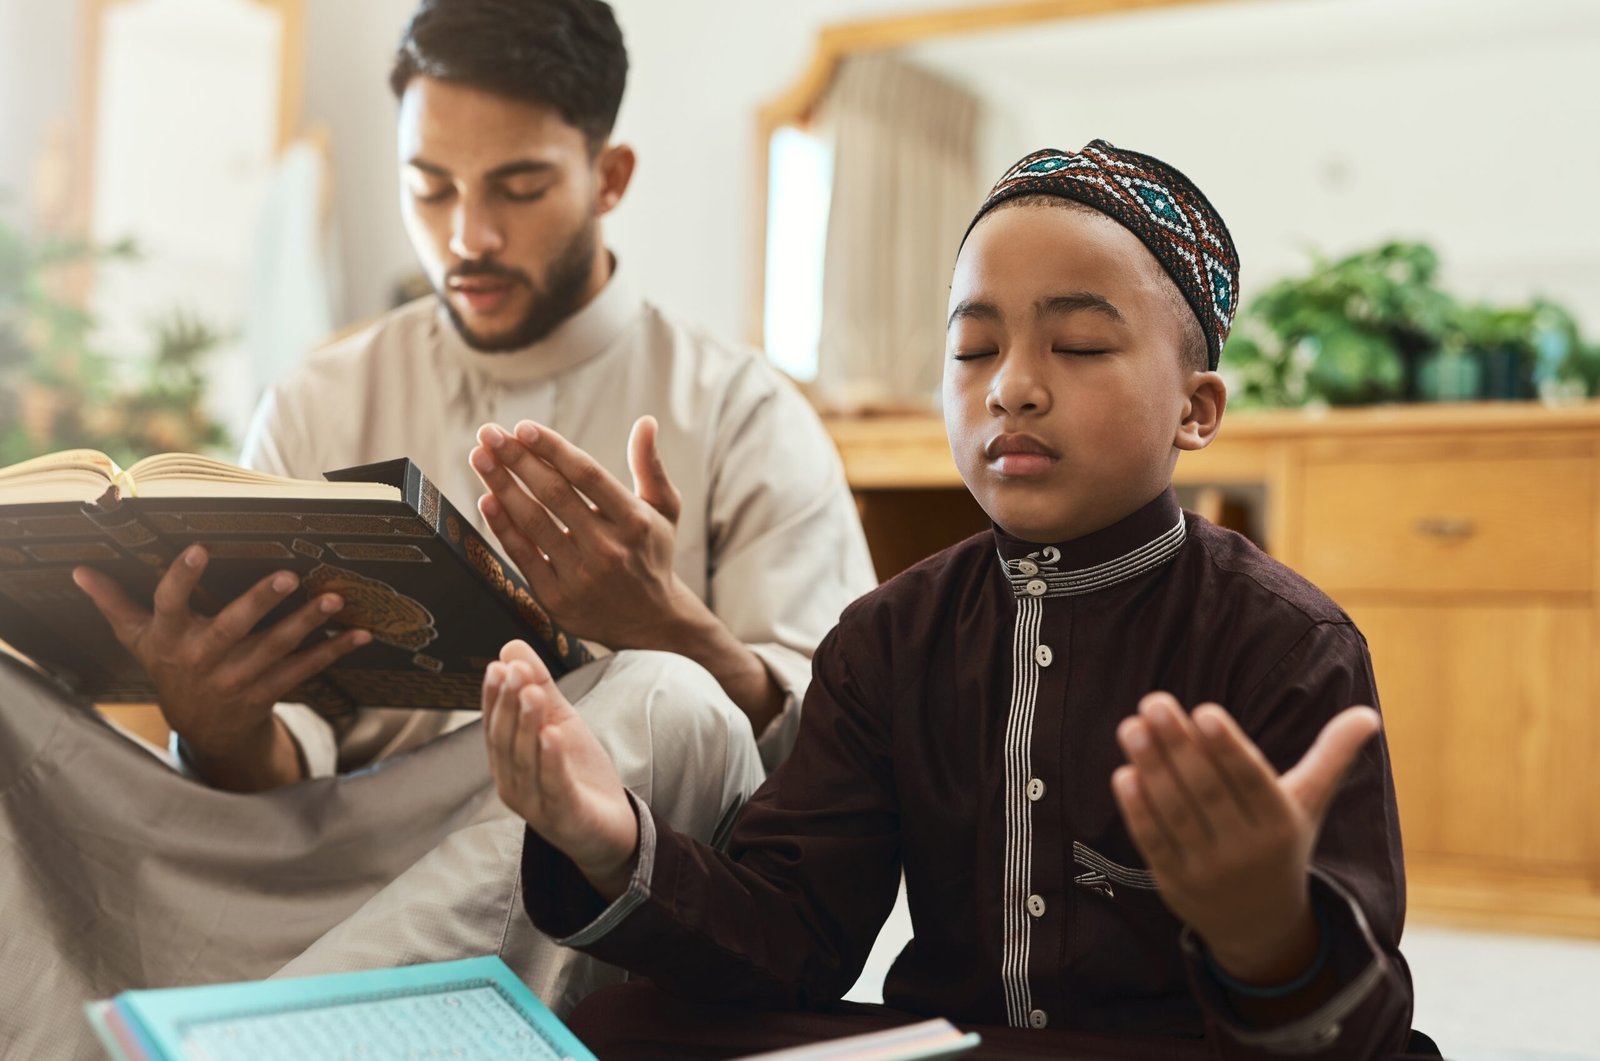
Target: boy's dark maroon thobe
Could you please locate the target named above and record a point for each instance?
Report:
(960, 726)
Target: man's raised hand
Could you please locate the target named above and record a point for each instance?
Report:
(215, 677)
(579, 536)
(549, 768)
(1227, 839)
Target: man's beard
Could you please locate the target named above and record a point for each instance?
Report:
(565, 283)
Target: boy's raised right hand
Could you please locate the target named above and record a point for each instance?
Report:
(550, 769)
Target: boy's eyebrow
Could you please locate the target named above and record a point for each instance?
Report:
(1078, 301)
(1049, 306)
(972, 309)
(510, 169)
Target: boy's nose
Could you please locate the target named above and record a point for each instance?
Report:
(1016, 390)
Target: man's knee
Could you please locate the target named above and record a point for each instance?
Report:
(670, 697)
(677, 740)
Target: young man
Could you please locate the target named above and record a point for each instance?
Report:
(1082, 856)
(725, 545)
(737, 543)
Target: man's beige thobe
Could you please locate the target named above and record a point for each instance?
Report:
(127, 874)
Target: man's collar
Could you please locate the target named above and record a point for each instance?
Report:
(585, 335)
(1140, 542)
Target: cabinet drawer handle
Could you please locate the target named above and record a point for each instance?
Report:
(1445, 527)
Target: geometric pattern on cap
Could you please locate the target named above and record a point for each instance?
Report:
(1159, 205)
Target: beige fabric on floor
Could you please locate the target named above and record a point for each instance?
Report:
(118, 872)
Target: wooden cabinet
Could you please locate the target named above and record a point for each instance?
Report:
(1463, 541)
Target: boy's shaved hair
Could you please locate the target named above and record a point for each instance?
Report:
(1192, 352)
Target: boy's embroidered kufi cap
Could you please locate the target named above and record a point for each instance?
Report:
(1153, 201)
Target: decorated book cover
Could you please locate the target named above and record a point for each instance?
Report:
(439, 600)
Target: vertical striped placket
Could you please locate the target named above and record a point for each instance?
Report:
(1035, 579)
(1019, 813)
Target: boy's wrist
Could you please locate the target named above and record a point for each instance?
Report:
(1275, 957)
(610, 875)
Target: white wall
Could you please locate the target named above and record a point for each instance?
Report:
(1473, 125)
(702, 67)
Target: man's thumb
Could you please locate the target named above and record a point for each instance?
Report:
(650, 479)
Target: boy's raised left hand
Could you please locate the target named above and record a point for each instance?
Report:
(1228, 840)
(549, 768)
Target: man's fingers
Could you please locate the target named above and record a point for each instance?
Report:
(521, 510)
(1316, 777)
(234, 623)
(529, 556)
(578, 470)
(650, 480)
(127, 619)
(173, 592)
(548, 485)
(286, 635)
(307, 664)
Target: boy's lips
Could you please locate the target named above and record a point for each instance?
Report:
(1015, 453)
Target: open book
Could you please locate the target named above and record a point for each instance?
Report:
(86, 475)
(474, 1008)
(438, 598)
(471, 1008)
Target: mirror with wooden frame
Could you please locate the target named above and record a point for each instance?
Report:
(185, 107)
(1313, 126)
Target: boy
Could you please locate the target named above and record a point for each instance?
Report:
(968, 721)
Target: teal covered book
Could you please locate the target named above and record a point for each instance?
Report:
(473, 1008)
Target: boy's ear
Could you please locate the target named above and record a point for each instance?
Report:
(1202, 411)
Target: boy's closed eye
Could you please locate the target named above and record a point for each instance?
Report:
(1081, 340)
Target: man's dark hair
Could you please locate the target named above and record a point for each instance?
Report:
(566, 54)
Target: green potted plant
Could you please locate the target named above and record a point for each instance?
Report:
(1352, 331)
(58, 390)
(1514, 352)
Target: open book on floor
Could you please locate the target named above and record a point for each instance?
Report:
(909, 1042)
(439, 599)
(473, 1008)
